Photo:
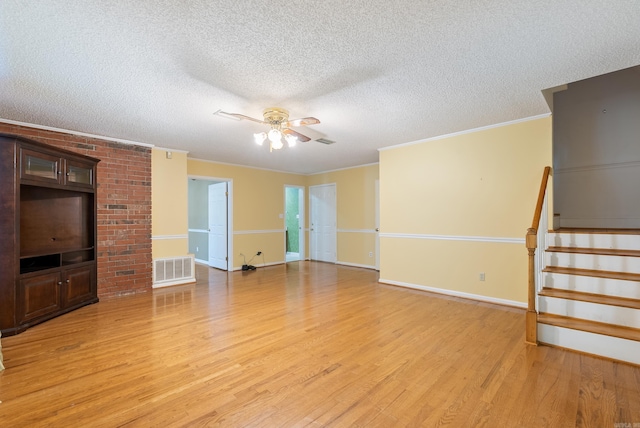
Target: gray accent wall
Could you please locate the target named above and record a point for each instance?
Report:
(596, 152)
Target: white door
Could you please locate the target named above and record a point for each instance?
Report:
(377, 218)
(218, 225)
(322, 228)
(294, 219)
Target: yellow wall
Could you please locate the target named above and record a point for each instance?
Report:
(258, 203)
(169, 224)
(355, 200)
(454, 207)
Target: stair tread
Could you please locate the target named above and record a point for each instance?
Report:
(627, 276)
(590, 326)
(592, 298)
(577, 230)
(598, 251)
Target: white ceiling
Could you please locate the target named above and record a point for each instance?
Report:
(375, 72)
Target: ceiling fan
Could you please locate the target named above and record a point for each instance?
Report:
(278, 120)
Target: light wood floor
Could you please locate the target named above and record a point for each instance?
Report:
(302, 344)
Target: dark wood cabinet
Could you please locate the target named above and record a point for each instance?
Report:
(47, 232)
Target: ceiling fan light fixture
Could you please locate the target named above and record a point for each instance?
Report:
(291, 140)
(275, 135)
(280, 127)
(260, 137)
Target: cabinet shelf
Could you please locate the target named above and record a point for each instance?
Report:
(38, 262)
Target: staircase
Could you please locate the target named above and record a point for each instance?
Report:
(589, 296)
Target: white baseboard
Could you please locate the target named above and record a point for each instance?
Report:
(478, 297)
(258, 266)
(356, 265)
(176, 282)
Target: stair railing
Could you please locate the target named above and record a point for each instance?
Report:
(534, 240)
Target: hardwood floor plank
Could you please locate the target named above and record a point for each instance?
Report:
(303, 344)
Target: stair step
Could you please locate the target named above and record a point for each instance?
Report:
(596, 251)
(590, 326)
(591, 298)
(594, 259)
(626, 276)
(622, 240)
(588, 342)
(589, 231)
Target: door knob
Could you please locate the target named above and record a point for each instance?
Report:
(377, 229)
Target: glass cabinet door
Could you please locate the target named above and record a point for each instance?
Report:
(40, 167)
(79, 174)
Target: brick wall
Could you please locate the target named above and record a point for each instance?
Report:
(124, 207)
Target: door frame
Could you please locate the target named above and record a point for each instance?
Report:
(229, 182)
(214, 212)
(377, 221)
(301, 222)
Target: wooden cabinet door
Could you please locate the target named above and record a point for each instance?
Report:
(78, 286)
(79, 174)
(39, 168)
(39, 296)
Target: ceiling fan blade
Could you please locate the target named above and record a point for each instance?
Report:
(303, 121)
(237, 116)
(300, 136)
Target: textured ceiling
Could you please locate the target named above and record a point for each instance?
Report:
(376, 73)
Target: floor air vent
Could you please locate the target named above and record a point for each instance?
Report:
(173, 271)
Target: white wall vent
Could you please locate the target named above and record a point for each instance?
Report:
(325, 141)
(173, 271)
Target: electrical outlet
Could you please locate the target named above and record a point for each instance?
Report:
(197, 249)
(370, 253)
(481, 276)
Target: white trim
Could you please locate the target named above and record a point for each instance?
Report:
(356, 265)
(161, 237)
(468, 131)
(478, 297)
(176, 282)
(166, 149)
(356, 230)
(81, 134)
(302, 215)
(202, 262)
(230, 232)
(633, 164)
(308, 174)
(244, 166)
(199, 230)
(501, 240)
(252, 232)
(258, 266)
(343, 169)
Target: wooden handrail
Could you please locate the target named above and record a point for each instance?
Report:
(531, 240)
(543, 189)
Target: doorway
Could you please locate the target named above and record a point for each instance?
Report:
(294, 223)
(210, 221)
(217, 225)
(323, 223)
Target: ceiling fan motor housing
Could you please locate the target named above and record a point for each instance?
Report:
(275, 115)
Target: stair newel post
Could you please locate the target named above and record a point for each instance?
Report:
(531, 328)
(531, 321)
